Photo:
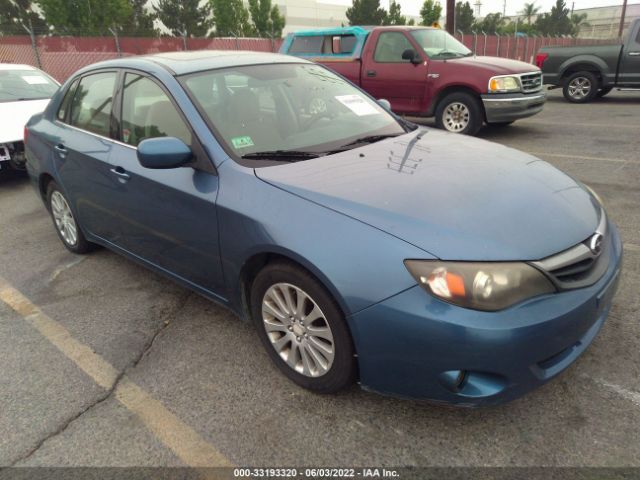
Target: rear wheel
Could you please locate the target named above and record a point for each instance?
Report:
(302, 328)
(580, 87)
(63, 220)
(459, 112)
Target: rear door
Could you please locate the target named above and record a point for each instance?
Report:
(386, 75)
(168, 216)
(82, 152)
(629, 73)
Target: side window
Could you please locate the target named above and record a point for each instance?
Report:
(66, 102)
(390, 47)
(307, 44)
(147, 112)
(92, 102)
(344, 44)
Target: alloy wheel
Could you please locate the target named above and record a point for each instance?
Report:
(579, 88)
(456, 117)
(298, 330)
(63, 218)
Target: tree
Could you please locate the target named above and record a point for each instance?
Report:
(84, 17)
(556, 22)
(430, 12)
(140, 23)
(492, 23)
(395, 16)
(185, 17)
(267, 20)
(17, 14)
(464, 17)
(529, 10)
(231, 18)
(578, 20)
(366, 12)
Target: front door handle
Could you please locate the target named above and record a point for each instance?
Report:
(634, 54)
(371, 73)
(121, 173)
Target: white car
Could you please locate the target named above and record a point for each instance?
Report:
(24, 91)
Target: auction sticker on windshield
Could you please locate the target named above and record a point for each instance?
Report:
(242, 142)
(357, 105)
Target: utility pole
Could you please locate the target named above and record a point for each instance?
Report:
(451, 15)
(624, 12)
(504, 8)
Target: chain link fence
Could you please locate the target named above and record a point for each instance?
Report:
(60, 56)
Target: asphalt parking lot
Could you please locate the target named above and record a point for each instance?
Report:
(104, 363)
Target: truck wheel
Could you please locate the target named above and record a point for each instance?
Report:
(459, 112)
(580, 87)
(603, 91)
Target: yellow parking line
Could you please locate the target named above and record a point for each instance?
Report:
(583, 157)
(181, 439)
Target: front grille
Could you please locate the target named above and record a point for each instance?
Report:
(531, 82)
(579, 266)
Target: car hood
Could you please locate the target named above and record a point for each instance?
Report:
(456, 197)
(497, 66)
(15, 115)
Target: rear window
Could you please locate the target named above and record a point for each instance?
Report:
(92, 103)
(20, 85)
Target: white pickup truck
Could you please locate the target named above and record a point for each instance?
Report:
(24, 91)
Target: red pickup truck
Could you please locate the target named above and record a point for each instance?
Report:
(426, 72)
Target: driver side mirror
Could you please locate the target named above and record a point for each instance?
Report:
(411, 55)
(163, 153)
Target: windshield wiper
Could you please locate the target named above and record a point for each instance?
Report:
(370, 139)
(281, 155)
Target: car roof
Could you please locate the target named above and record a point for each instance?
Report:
(16, 66)
(180, 63)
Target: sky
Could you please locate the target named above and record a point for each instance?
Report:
(412, 7)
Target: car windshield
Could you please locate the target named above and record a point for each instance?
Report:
(19, 85)
(437, 43)
(264, 112)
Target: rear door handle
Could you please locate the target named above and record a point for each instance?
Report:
(60, 148)
(371, 73)
(121, 173)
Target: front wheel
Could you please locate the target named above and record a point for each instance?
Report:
(302, 328)
(580, 87)
(459, 112)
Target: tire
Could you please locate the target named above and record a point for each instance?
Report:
(64, 222)
(270, 310)
(580, 87)
(500, 124)
(603, 91)
(459, 112)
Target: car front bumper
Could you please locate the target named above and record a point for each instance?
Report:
(412, 345)
(508, 107)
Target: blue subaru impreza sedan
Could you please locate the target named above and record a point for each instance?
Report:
(419, 263)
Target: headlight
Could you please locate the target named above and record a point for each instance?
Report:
(486, 286)
(504, 84)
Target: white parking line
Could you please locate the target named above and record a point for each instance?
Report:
(181, 439)
(594, 125)
(630, 395)
(584, 157)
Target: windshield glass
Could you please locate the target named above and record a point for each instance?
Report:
(18, 85)
(286, 107)
(437, 43)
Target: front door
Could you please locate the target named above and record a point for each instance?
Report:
(169, 216)
(387, 75)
